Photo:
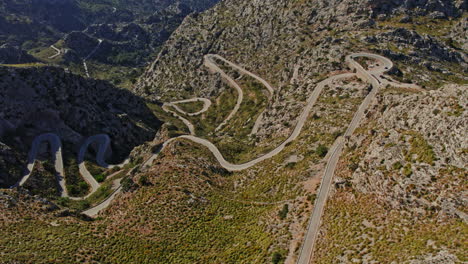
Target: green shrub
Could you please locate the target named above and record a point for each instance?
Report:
(312, 198)
(100, 178)
(407, 170)
(321, 151)
(83, 185)
(397, 165)
(353, 166)
(284, 212)
(277, 258)
(144, 180)
(127, 184)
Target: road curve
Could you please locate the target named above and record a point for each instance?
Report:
(191, 128)
(206, 106)
(94, 211)
(55, 149)
(104, 146)
(270, 89)
(267, 85)
(57, 50)
(210, 64)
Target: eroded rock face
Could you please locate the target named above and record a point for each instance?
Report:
(419, 143)
(426, 46)
(459, 33)
(42, 100)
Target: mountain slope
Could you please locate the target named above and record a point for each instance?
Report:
(185, 208)
(58, 33)
(41, 100)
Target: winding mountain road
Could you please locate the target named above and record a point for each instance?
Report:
(374, 77)
(211, 64)
(56, 150)
(206, 105)
(269, 88)
(94, 211)
(296, 132)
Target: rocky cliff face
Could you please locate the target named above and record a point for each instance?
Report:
(304, 41)
(401, 177)
(424, 144)
(42, 100)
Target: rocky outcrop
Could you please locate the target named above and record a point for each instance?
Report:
(458, 34)
(425, 47)
(442, 257)
(418, 143)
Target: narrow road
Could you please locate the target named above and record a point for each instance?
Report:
(296, 132)
(211, 64)
(57, 50)
(372, 77)
(104, 144)
(206, 106)
(94, 211)
(89, 56)
(191, 128)
(269, 88)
